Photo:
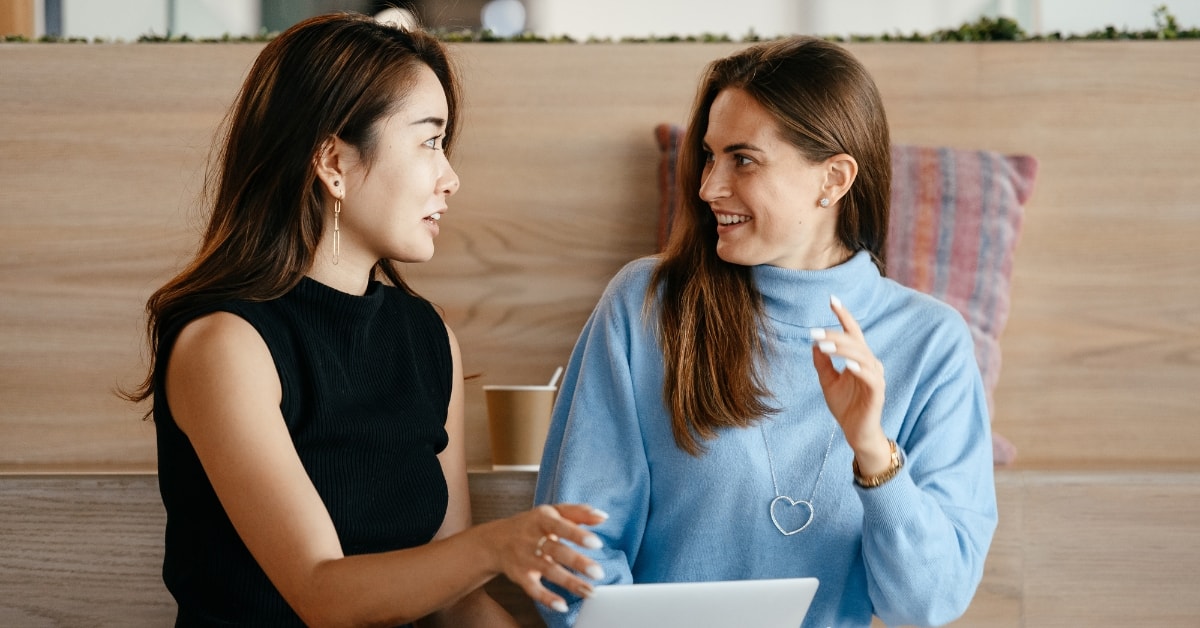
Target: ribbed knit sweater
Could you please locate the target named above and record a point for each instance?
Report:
(366, 381)
(910, 551)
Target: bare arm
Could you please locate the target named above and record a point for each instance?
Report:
(224, 393)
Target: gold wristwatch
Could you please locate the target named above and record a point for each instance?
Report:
(887, 474)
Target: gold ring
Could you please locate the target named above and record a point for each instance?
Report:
(537, 551)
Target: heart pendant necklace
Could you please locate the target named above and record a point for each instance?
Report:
(784, 502)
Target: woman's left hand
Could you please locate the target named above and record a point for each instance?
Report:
(855, 394)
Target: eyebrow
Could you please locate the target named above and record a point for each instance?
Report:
(733, 148)
(434, 120)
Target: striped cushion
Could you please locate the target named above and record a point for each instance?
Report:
(955, 221)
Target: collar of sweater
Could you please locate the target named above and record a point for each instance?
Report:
(799, 299)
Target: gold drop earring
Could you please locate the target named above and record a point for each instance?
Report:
(337, 232)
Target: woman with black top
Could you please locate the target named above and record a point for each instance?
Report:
(308, 404)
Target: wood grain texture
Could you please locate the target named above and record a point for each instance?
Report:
(1072, 549)
(102, 150)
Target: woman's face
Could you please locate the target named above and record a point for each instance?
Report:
(392, 206)
(764, 194)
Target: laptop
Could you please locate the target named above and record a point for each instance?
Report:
(771, 603)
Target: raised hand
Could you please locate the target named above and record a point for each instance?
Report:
(855, 394)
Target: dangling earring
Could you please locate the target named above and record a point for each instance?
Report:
(824, 202)
(337, 233)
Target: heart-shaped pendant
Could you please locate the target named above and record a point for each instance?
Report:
(789, 504)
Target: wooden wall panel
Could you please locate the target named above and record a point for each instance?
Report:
(102, 149)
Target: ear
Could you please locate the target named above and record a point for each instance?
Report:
(840, 172)
(331, 163)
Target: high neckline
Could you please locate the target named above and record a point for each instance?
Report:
(330, 299)
(799, 299)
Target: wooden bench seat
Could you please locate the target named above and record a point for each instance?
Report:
(1072, 549)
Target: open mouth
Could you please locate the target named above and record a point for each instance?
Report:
(731, 219)
(434, 217)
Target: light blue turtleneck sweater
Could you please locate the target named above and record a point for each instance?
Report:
(910, 551)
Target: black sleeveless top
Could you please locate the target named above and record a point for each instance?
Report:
(366, 384)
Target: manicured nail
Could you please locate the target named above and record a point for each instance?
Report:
(827, 346)
(592, 541)
(600, 513)
(836, 302)
(817, 333)
(559, 606)
(853, 366)
(595, 572)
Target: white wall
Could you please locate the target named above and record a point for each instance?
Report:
(615, 19)
(128, 20)
(641, 18)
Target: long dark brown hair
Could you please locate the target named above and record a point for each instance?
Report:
(710, 312)
(330, 76)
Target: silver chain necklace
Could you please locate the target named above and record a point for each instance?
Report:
(787, 500)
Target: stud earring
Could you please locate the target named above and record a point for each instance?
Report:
(824, 202)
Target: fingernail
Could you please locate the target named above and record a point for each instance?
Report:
(595, 572)
(600, 513)
(592, 541)
(559, 606)
(817, 333)
(827, 346)
(836, 302)
(853, 366)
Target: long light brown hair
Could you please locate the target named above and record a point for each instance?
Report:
(335, 75)
(710, 312)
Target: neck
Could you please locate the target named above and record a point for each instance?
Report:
(345, 276)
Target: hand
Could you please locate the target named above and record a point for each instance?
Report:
(855, 394)
(533, 545)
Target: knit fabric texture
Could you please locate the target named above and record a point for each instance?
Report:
(366, 381)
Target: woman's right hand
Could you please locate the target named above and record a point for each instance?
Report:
(537, 544)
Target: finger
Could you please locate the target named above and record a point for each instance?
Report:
(564, 529)
(581, 513)
(567, 557)
(849, 323)
(567, 579)
(826, 374)
(537, 592)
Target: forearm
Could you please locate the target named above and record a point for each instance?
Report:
(923, 561)
(477, 609)
(397, 587)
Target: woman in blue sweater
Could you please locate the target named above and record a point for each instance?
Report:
(308, 404)
(759, 401)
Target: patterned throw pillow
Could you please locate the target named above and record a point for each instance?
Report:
(955, 221)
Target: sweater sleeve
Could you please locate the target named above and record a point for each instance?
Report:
(594, 450)
(926, 533)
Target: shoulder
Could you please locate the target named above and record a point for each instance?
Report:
(935, 318)
(217, 336)
(219, 358)
(633, 279)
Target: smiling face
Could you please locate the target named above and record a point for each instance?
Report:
(391, 205)
(764, 194)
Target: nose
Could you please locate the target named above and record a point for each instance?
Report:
(713, 185)
(448, 183)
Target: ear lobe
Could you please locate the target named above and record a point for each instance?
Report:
(329, 163)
